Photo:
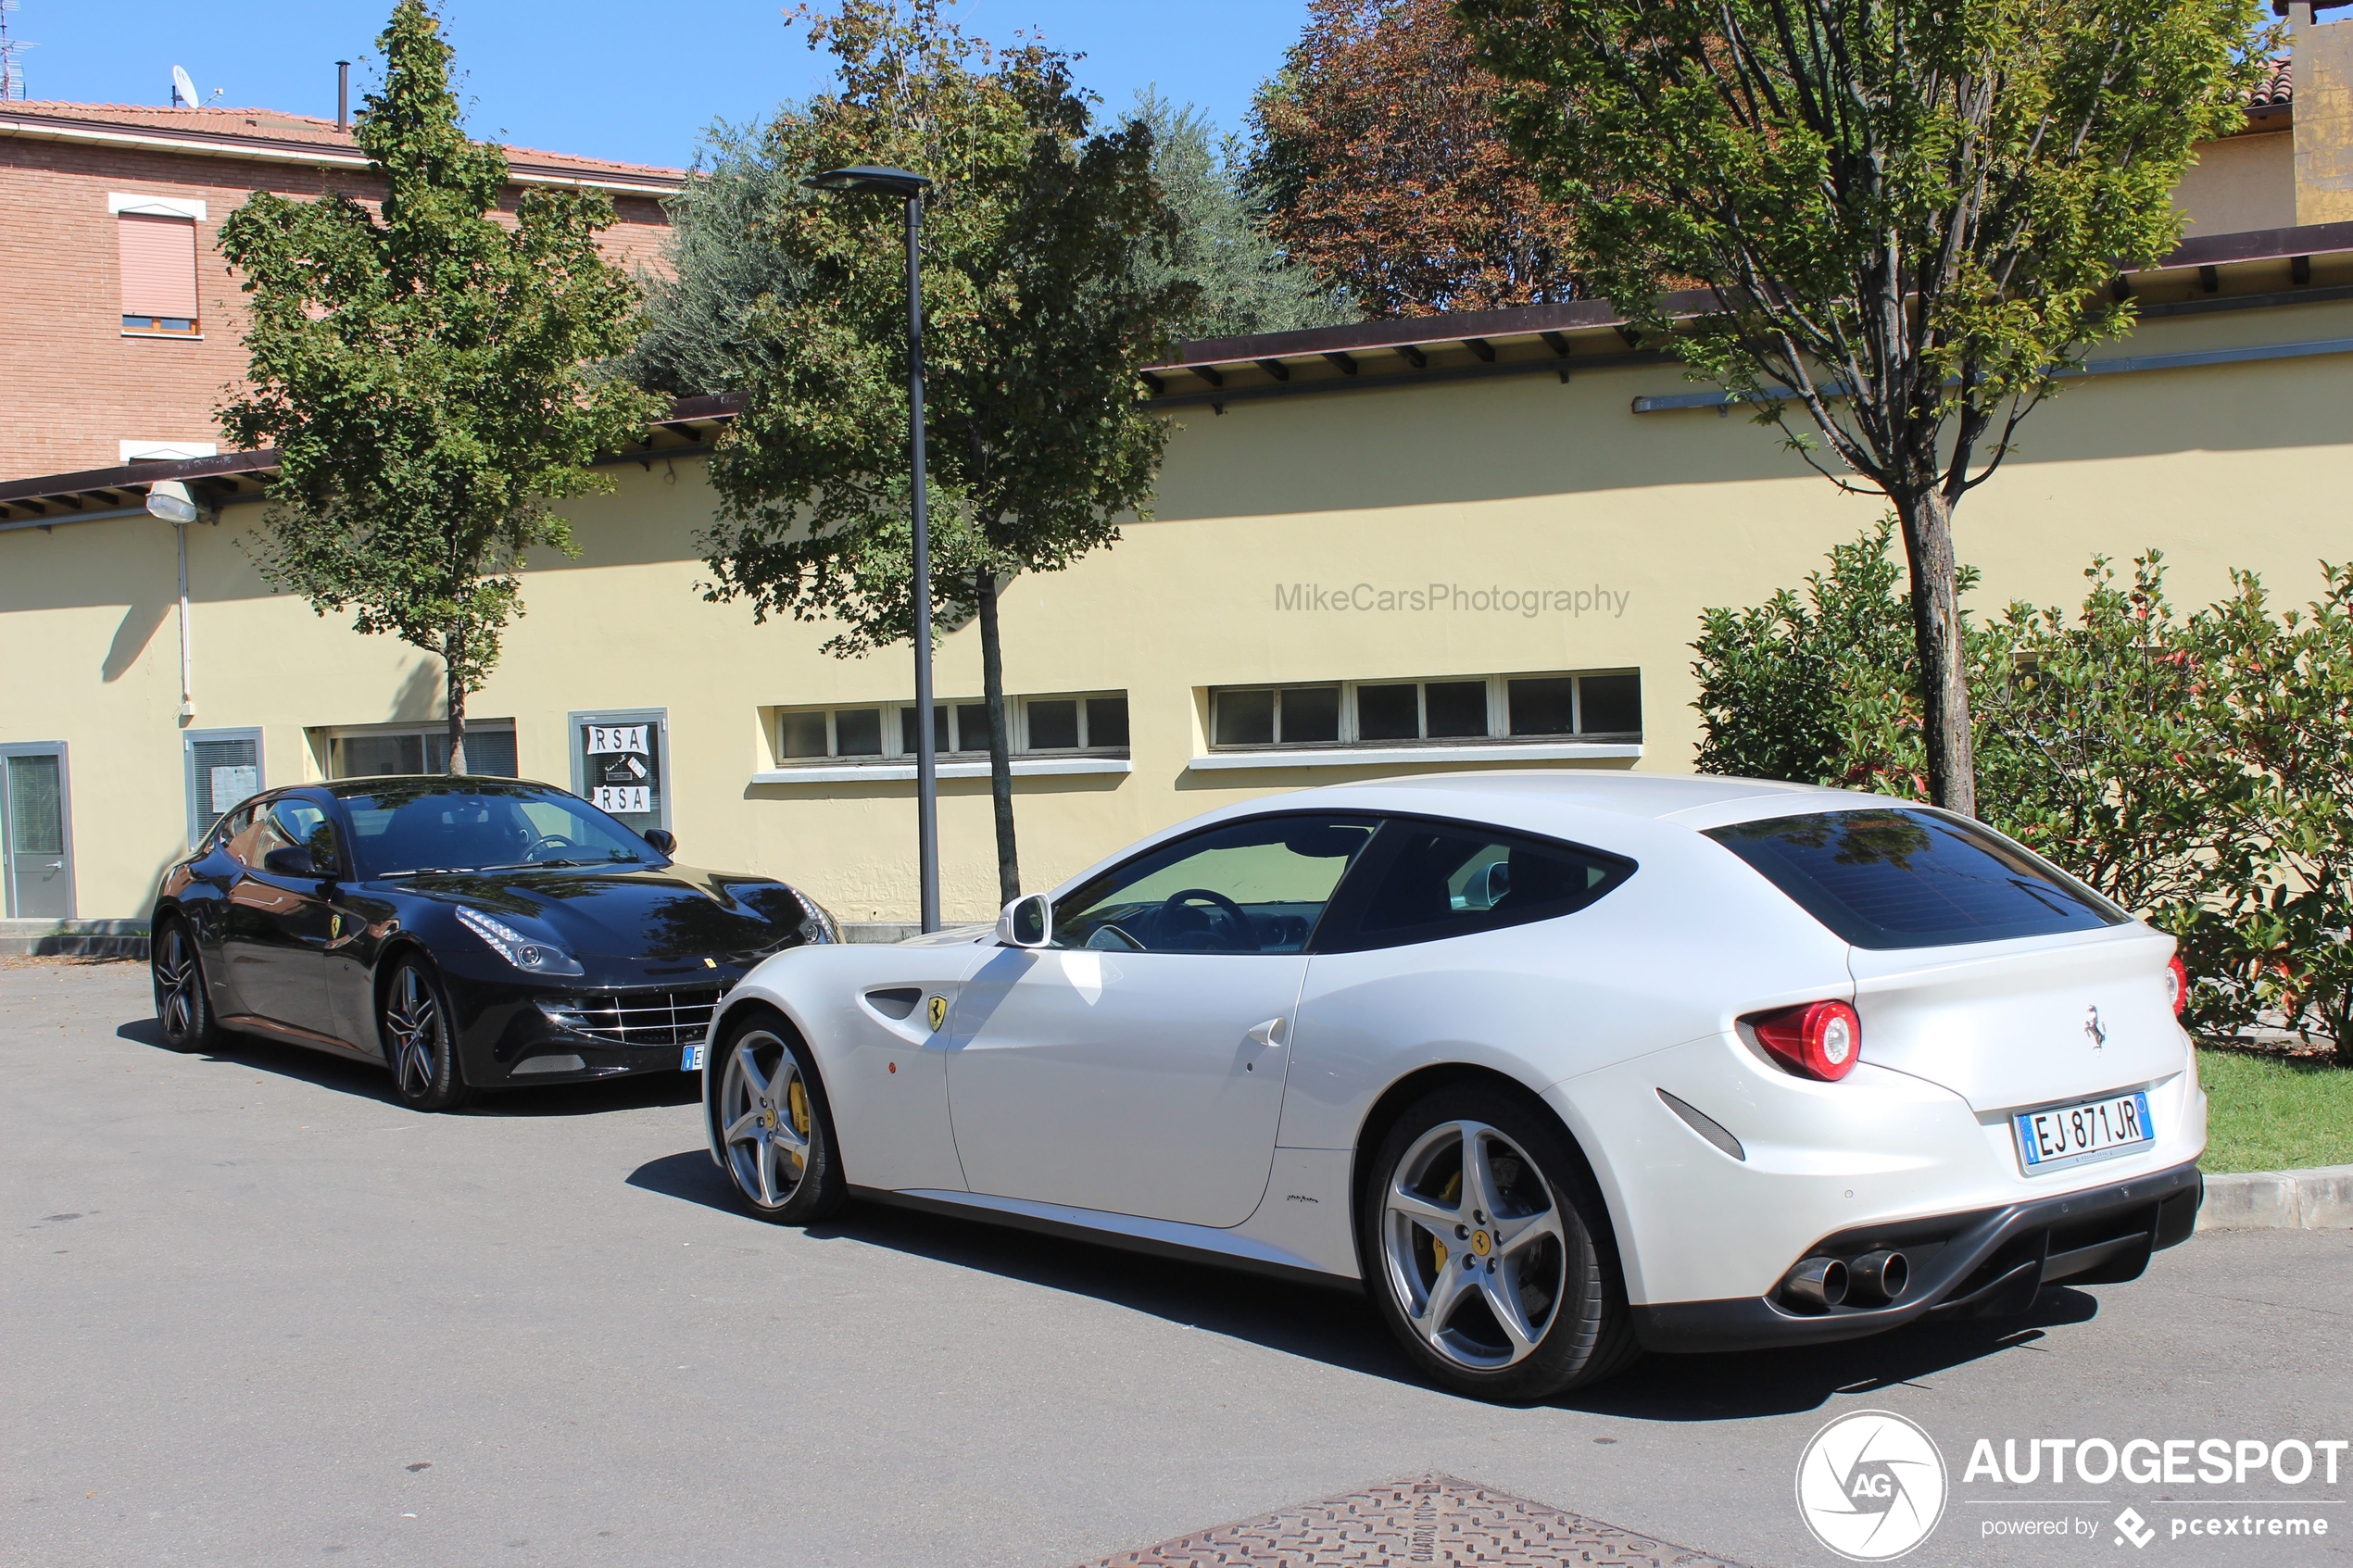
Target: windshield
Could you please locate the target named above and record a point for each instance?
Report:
(1901, 877)
(404, 830)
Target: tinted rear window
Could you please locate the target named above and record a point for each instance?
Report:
(1907, 878)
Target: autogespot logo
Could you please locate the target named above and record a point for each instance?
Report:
(1870, 1485)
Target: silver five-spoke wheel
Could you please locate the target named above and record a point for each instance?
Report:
(181, 1005)
(1472, 1242)
(763, 1113)
(413, 1020)
(421, 1040)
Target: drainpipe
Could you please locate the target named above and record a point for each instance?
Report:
(187, 665)
(169, 500)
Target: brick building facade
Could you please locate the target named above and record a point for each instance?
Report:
(106, 203)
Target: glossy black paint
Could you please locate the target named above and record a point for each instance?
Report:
(299, 951)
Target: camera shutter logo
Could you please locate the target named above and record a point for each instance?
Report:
(1872, 1485)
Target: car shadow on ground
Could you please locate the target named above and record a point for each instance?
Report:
(368, 1080)
(1340, 1328)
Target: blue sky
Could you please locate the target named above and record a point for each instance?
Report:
(632, 81)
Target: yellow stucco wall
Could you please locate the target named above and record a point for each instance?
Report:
(2241, 183)
(1520, 482)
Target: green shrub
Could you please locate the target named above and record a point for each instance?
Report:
(2196, 770)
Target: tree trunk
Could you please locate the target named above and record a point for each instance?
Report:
(1001, 761)
(1936, 628)
(453, 650)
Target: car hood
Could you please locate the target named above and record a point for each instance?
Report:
(668, 914)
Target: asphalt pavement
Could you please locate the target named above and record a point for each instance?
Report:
(255, 1312)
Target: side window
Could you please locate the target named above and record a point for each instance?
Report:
(1255, 886)
(247, 836)
(304, 822)
(1426, 881)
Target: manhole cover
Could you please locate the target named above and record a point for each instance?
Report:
(1436, 1520)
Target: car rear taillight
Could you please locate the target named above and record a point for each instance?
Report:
(1814, 1039)
(2177, 983)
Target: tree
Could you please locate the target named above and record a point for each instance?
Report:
(1220, 244)
(1383, 167)
(423, 370)
(1911, 213)
(1041, 306)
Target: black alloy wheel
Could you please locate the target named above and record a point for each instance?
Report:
(419, 1040)
(1488, 1252)
(774, 1122)
(182, 1005)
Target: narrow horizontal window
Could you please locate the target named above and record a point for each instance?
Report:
(1603, 706)
(1044, 724)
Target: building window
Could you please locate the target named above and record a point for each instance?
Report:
(1600, 706)
(620, 764)
(374, 750)
(1084, 724)
(157, 242)
(223, 768)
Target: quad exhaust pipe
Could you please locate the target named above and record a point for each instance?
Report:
(1819, 1284)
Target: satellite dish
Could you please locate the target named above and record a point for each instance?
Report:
(184, 89)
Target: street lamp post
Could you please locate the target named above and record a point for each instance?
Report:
(910, 188)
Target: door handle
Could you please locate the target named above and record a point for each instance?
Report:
(1269, 1034)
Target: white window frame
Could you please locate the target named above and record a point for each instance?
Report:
(323, 738)
(897, 762)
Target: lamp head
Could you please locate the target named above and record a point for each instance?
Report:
(870, 180)
(168, 499)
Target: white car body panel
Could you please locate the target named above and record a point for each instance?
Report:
(1122, 1093)
(1127, 1082)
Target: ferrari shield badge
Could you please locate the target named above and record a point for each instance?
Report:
(938, 1012)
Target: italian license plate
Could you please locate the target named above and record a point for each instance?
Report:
(2061, 1136)
(691, 1060)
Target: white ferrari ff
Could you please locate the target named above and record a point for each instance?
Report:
(1560, 1066)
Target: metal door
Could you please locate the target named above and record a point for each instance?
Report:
(36, 841)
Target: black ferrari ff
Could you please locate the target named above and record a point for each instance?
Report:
(468, 933)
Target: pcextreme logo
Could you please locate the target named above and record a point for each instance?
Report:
(1870, 1485)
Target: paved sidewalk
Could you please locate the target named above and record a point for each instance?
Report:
(252, 1312)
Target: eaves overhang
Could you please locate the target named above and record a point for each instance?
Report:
(236, 478)
(2256, 268)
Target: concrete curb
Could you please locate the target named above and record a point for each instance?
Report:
(2320, 1199)
(74, 938)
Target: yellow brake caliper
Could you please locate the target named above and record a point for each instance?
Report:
(797, 1100)
(1451, 1192)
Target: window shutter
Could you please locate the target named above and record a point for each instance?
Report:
(158, 265)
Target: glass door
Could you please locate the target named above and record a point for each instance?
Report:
(36, 846)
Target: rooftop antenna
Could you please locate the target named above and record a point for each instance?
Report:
(12, 87)
(184, 90)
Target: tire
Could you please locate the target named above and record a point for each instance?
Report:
(183, 1005)
(419, 1041)
(1537, 1304)
(775, 1124)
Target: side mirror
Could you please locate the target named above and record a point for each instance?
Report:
(1026, 923)
(662, 839)
(290, 860)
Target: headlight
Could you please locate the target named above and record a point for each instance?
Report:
(525, 953)
(820, 926)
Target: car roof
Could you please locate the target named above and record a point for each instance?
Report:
(478, 784)
(1659, 797)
